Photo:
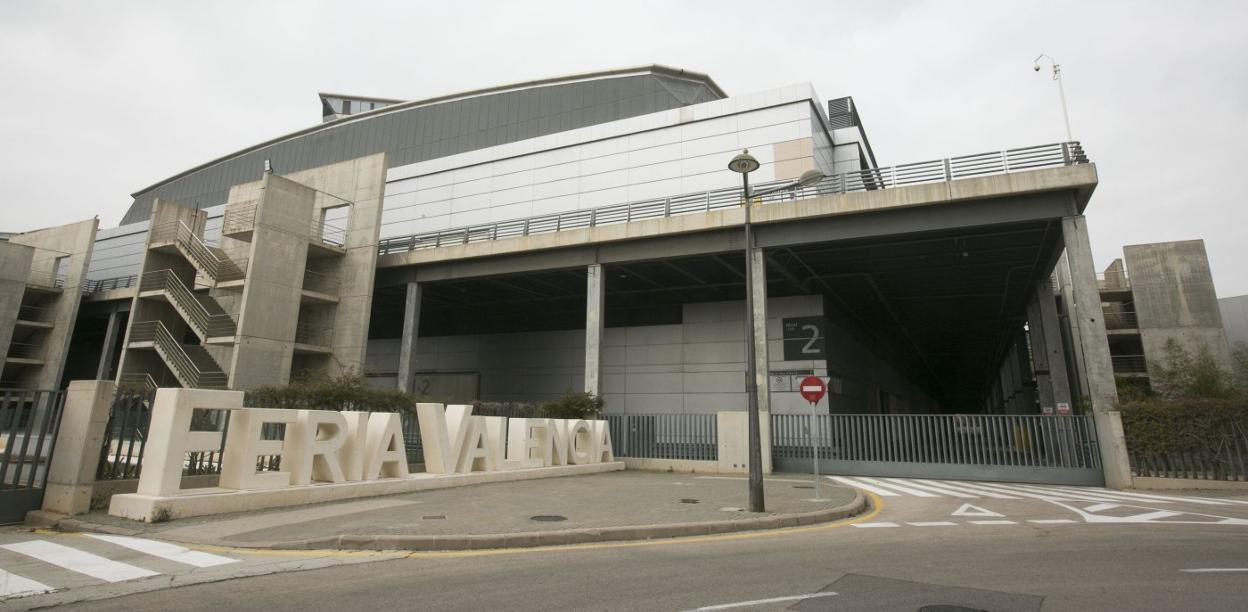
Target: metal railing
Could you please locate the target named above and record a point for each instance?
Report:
(175, 354)
(1229, 463)
(327, 233)
(986, 440)
(29, 422)
(239, 218)
(313, 335)
(138, 380)
(210, 260)
(106, 284)
(1117, 318)
(665, 436)
(26, 350)
(51, 279)
(208, 325)
(935, 171)
(1129, 364)
(125, 438)
(320, 282)
(35, 314)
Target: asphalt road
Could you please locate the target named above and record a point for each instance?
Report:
(985, 547)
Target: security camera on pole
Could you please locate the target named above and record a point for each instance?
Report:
(813, 389)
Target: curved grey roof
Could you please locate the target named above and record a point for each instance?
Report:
(445, 125)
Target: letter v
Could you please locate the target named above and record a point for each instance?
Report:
(442, 435)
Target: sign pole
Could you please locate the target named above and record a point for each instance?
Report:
(812, 389)
(814, 447)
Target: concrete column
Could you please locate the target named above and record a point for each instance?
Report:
(1055, 357)
(1097, 365)
(1040, 355)
(411, 330)
(758, 268)
(104, 370)
(71, 472)
(595, 302)
(1070, 332)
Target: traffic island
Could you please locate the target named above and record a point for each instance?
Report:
(608, 507)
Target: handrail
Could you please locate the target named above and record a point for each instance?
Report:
(220, 270)
(935, 171)
(315, 336)
(140, 379)
(209, 325)
(1119, 318)
(1129, 364)
(175, 354)
(105, 284)
(239, 217)
(47, 280)
(26, 350)
(320, 282)
(35, 314)
(328, 233)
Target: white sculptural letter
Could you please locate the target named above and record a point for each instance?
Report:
(442, 433)
(580, 442)
(351, 455)
(243, 445)
(169, 437)
(384, 452)
(314, 444)
(603, 451)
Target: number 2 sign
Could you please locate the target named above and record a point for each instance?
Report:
(805, 338)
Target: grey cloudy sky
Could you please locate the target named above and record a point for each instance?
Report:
(101, 99)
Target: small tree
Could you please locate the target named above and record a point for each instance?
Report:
(1239, 366)
(1182, 375)
(578, 405)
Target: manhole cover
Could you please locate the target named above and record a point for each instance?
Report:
(949, 608)
(803, 486)
(548, 518)
(433, 517)
(688, 501)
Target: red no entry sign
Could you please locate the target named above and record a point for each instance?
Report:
(812, 389)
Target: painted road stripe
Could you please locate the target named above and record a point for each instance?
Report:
(982, 487)
(1214, 570)
(1089, 494)
(907, 490)
(165, 550)
(875, 525)
(864, 486)
(1149, 497)
(1045, 495)
(994, 522)
(1052, 521)
(931, 487)
(12, 585)
(76, 560)
(981, 492)
(760, 602)
(1100, 507)
(933, 524)
(1051, 494)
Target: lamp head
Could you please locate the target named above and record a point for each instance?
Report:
(743, 163)
(809, 177)
(1036, 67)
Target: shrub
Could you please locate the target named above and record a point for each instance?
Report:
(574, 405)
(1183, 375)
(346, 392)
(1203, 428)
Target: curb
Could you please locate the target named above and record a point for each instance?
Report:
(491, 541)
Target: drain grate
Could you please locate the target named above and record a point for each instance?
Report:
(688, 501)
(434, 517)
(548, 518)
(803, 486)
(949, 608)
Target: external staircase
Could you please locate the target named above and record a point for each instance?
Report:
(190, 363)
(212, 262)
(203, 314)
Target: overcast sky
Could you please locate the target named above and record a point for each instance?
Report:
(100, 99)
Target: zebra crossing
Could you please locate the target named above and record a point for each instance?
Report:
(34, 566)
(961, 489)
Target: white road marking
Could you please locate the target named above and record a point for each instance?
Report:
(969, 510)
(759, 602)
(1089, 494)
(1214, 570)
(875, 525)
(980, 492)
(926, 486)
(907, 490)
(934, 524)
(78, 561)
(993, 522)
(1022, 493)
(1052, 521)
(165, 550)
(1100, 507)
(1159, 498)
(866, 487)
(12, 585)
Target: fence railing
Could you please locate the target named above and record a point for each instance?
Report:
(1227, 463)
(29, 422)
(1113, 281)
(328, 233)
(1129, 364)
(35, 314)
(987, 440)
(935, 171)
(239, 218)
(125, 438)
(208, 324)
(314, 335)
(664, 436)
(106, 284)
(26, 350)
(1116, 318)
(52, 279)
(210, 260)
(320, 282)
(176, 356)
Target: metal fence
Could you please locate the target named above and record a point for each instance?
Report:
(125, 438)
(934, 171)
(1057, 449)
(1228, 463)
(106, 284)
(664, 436)
(29, 422)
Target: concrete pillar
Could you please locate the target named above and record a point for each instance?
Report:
(1055, 357)
(411, 331)
(595, 302)
(14, 268)
(758, 268)
(1070, 332)
(104, 370)
(71, 473)
(1040, 355)
(1097, 365)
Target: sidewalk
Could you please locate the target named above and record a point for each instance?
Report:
(602, 507)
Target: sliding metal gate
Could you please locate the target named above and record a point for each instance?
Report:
(29, 421)
(1036, 449)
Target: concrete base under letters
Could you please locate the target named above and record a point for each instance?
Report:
(199, 502)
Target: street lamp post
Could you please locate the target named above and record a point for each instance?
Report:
(1061, 90)
(745, 164)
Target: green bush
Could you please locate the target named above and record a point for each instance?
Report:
(574, 406)
(1203, 428)
(1182, 375)
(347, 392)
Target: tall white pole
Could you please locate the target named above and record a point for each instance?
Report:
(1061, 89)
(814, 447)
